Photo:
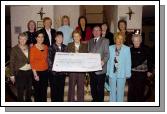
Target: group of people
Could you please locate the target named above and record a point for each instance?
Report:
(122, 57)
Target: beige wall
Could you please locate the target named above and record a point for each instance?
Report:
(113, 14)
(136, 20)
(73, 11)
(20, 15)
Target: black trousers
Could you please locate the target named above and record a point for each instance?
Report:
(57, 83)
(24, 85)
(136, 87)
(40, 87)
(97, 86)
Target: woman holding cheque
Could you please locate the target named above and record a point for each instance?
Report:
(76, 78)
(56, 79)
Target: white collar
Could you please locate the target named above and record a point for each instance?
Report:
(77, 45)
(48, 30)
(97, 38)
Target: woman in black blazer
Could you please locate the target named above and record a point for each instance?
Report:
(49, 33)
(56, 79)
(107, 34)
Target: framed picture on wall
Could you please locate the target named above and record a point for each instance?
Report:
(39, 25)
(17, 29)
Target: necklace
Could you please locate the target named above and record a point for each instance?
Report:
(39, 46)
(23, 48)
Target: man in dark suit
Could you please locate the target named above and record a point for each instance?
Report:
(98, 45)
(48, 32)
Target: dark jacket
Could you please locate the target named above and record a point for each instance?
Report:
(88, 33)
(52, 51)
(83, 48)
(140, 56)
(110, 36)
(46, 37)
(128, 39)
(31, 37)
(17, 59)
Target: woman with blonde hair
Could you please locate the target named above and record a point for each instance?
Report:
(21, 69)
(66, 29)
(118, 68)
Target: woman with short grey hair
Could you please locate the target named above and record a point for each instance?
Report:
(136, 36)
(141, 68)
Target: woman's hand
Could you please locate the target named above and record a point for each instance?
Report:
(12, 79)
(36, 77)
(102, 63)
(149, 74)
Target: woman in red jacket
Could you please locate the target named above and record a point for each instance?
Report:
(86, 31)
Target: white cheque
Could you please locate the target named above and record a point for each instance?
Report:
(76, 62)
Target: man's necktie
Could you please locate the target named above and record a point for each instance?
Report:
(95, 40)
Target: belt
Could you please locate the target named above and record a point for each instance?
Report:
(135, 70)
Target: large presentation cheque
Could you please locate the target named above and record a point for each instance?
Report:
(76, 62)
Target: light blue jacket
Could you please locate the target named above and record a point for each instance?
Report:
(67, 33)
(124, 70)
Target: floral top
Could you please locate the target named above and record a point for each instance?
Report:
(116, 61)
